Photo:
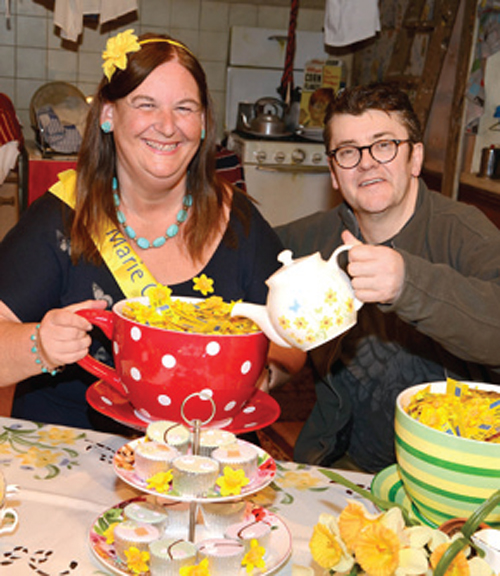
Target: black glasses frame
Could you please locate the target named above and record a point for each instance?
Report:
(333, 153)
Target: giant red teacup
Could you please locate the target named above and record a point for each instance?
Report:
(173, 375)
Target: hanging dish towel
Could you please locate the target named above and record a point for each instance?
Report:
(350, 21)
(11, 137)
(68, 14)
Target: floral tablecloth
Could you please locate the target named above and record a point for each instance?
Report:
(66, 480)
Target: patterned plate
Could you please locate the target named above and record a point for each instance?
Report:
(265, 475)
(279, 549)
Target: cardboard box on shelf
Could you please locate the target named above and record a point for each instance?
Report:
(322, 80)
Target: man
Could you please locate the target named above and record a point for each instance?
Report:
(426, 267)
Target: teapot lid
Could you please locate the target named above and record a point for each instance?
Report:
(290, 264)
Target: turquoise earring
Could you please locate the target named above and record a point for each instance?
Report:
(203, 134)
(106, 127)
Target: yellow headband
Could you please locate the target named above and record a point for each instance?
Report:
(117, 48)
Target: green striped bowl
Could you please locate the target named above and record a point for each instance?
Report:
(445, 476)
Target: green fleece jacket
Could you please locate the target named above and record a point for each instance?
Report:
(446, 322)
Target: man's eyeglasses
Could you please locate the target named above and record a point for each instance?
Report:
(382, 151)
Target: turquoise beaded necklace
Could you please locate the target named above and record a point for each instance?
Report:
(171, 230)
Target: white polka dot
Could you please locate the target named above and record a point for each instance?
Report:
(136, 333)
(136, 374)
(116, 348)
(229, 406)
(213, 348)
(249, 409)
(251, 424)
(168, 361)
(206, 394)
(164, 400)
(245, 367)
(106, 401)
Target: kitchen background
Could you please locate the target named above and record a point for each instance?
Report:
(33, 53)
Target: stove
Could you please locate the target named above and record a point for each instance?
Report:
(289, 177)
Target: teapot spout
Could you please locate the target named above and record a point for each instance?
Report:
(259, 315)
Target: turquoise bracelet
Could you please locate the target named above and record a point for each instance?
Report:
(35, 339)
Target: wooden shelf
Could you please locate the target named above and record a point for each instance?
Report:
(480, 182)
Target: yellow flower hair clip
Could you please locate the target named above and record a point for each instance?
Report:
(117, 48)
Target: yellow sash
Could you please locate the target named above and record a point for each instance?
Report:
(128, 269)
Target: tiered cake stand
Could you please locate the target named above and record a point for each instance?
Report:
(280, 544)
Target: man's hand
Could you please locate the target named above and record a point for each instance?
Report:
(377, 272)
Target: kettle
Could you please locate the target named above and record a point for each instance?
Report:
(268, 118)
(310, 302)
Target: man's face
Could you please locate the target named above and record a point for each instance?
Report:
(377, 191)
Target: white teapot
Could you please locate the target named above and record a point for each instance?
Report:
(310, 301)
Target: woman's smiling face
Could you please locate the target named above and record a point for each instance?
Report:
(157, 127)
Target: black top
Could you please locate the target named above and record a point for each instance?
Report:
(37, 275)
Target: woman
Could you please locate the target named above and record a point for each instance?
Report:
(145, 174)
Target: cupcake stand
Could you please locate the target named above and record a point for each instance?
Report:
(185, 519)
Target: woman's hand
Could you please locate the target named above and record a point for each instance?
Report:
(377, 272)
(63, 337)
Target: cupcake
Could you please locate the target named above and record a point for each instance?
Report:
(224, 555)
(130, 534)
(217, 516)
(214, 438)
(194, 475)
(178, 515)
(147, 513)
(171, 433)
(153, 457)
(249, 530)
(240, 456)
(168, 555)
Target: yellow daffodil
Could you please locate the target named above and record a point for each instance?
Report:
(388, 547)
(458, 567)
(159, 296)
(254, 558)
(117, 48)
(203, 284)
(327, 547)
(109, 533)
(232, 481)
(352, 520)
(200, 569)
(137, 561)
(160, 481)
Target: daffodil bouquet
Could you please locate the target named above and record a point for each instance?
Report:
(391, 544)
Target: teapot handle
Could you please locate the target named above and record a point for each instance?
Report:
(333, 261)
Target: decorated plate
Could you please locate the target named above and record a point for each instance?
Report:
(387, 484)
(265, 474)
(278, 551)
(261, 411)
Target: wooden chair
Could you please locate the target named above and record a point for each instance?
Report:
(6, 398)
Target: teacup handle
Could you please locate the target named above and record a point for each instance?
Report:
(104, 320)
(333, 261)
(12, 525)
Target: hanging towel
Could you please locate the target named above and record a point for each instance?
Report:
(349, 21)
(68, 14)
(11, 137)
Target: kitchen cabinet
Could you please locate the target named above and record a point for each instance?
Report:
(484, 193)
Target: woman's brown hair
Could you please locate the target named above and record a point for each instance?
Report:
(97, 157)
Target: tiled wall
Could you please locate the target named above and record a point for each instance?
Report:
(33, 53)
